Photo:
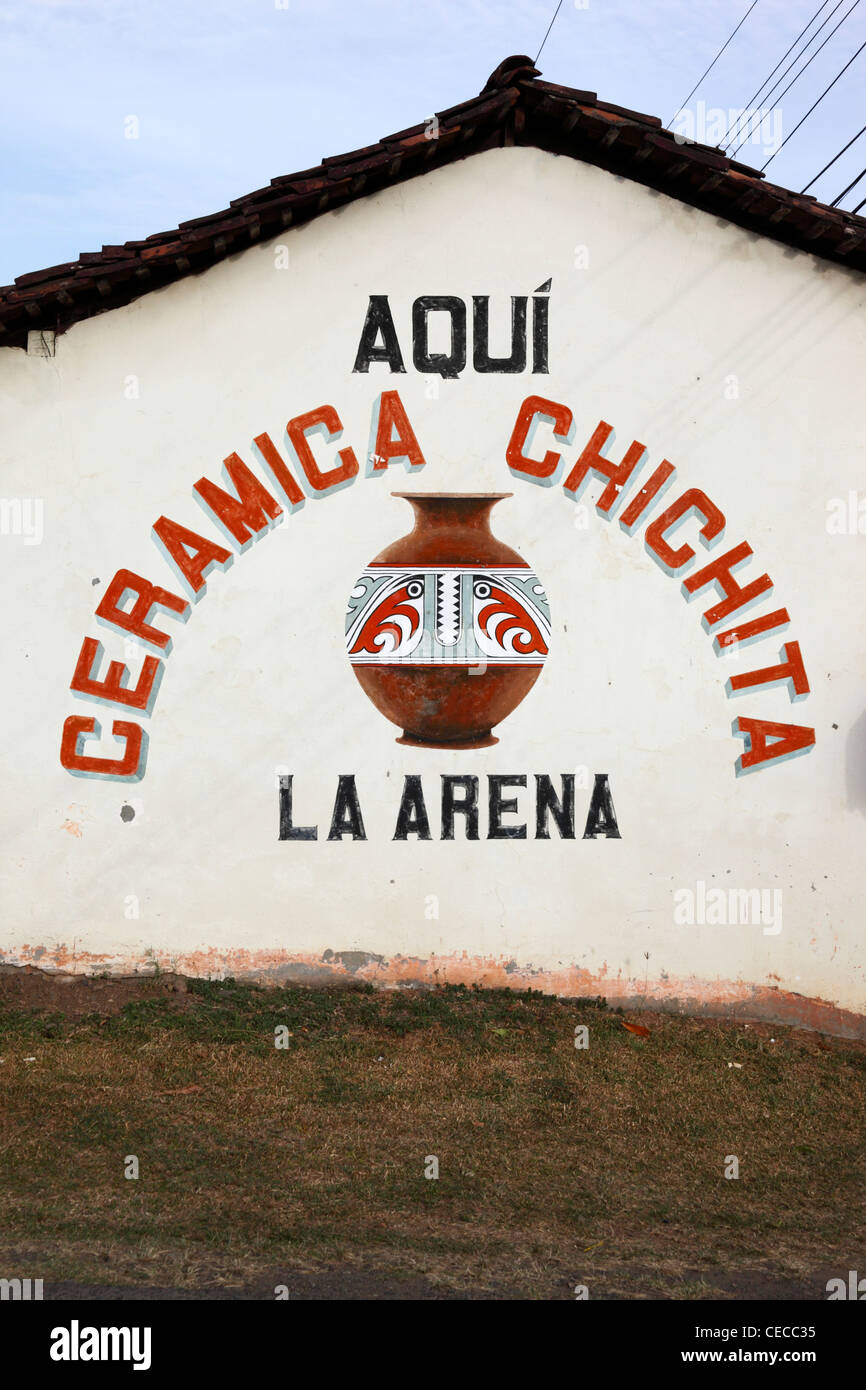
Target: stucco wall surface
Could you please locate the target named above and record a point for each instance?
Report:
(739, 361)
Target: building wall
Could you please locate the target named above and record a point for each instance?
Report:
(738, 360)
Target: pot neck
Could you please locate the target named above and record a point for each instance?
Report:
(452, 511)
(450, 529)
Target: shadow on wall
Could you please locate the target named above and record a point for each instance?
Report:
(855, 766)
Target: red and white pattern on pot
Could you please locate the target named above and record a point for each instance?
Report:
(457, 615)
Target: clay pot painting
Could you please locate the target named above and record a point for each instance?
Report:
(448, 628)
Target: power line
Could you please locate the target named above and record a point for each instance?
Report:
(547, 35)
(833, 160)
(745, 130)
(756, 94)
(859, 206)
(852, 184)
(715, 60)
(797, 56)
(799, 74)
(816, 103)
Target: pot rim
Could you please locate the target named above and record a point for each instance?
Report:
(447, 496)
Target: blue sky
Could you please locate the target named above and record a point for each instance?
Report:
(228, 94)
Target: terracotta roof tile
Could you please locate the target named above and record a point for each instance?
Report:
(52, 273)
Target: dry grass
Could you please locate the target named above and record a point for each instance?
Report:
(556, 1166)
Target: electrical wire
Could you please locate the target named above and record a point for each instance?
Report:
(795, 60)
(845, 191)
(815, 104)
(859, 206)
(833, 160)
(756, 94)
(798, 75)
(547, 35)
(715, 60)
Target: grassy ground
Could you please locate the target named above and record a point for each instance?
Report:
(557, 1166)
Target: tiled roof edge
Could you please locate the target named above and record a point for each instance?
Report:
(516, 107)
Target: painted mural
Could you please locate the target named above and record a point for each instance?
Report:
(453, 617)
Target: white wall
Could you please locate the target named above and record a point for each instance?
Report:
(737, 359)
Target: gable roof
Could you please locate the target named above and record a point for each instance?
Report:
(514, 108)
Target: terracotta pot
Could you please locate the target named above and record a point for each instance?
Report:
(448, 628)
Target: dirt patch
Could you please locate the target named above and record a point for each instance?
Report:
(76, 996)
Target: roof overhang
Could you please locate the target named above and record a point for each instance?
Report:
(515, 108)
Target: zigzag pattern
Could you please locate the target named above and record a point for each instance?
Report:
(448, 616)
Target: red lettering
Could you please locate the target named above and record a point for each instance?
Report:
(129, 765)
(388, 416)
(193, 554)
(753, 629)
(248, 514)
(790, 670)
(641, 500)
(272, 461)
(719, 571)
(148, 597)
(112, 688)
(592, 460)
(692, 500)
(789, 740)
(297, 430)
(537, 407)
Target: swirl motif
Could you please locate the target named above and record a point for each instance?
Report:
(503, 623)
(395, 625)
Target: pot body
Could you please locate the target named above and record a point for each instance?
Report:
(448, 628)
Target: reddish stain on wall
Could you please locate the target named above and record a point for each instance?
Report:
(711, 998)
